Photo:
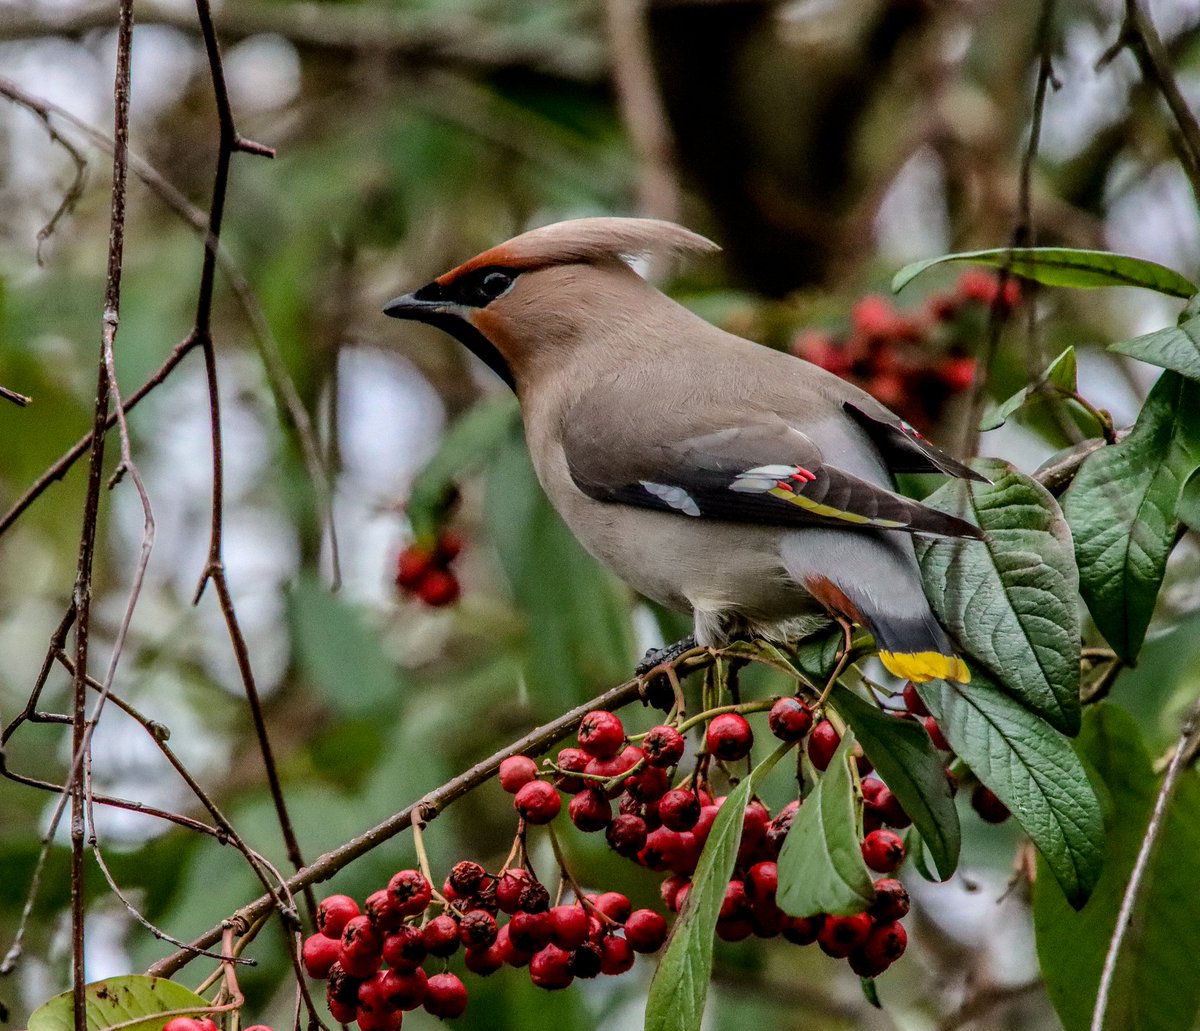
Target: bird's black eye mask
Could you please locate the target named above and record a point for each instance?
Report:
(477, 289)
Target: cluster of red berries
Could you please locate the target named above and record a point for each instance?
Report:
(987, 806)
(664, 828)
(374, 959)
(424, 571)
(912, 361)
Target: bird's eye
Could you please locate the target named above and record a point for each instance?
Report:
(495, 283)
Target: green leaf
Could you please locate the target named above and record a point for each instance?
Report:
(1188, 506)
(905, 758)
(1155, 988)
(1033, 770)
(341, 655)
(1063, 266)
(117, 1000)
(817, 654)
(1059, 375)
(680, 984)
(1121, 507)
(1176, 347)
(467, 444)
(1011, 601)
(821, 868)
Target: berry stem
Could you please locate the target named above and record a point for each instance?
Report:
(758, 705)
(569, 878)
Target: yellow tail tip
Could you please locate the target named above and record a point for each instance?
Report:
(922, 666)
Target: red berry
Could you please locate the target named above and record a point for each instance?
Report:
(208, 1024)
(516, 771)
(841, 935)
(735, 905)
(704, 823)
(616, 955)
(411, 566)
(883, 851)
(762, 881)
(362, 948)
(679, 809)
(729, 737)
(613, 905)
(601, 734)
(979, 286)
(936, 735)
(570, 926)
(663, 849)
(627, 835)
(477, 929)
(873, 316)
(182, 1024)
(790, 719)
(822, 743)
(912, 700)
(485, 961)
(891, 810)
(590, 810)
(863, 965)
(382, 911)
(670, 888)
(411, 892)
(372, 1012)
(956, 373)
(942, 307)
(343, 1012)
(404, 949)
(891, 900)
(537, 802)
(645, 930)
(571, 760)
(535, 898)
(887, 942)
(445, 996)
(441, 935)
(513, 956)
(663, 746)
(550, 968)
(988, 806)
(334, 913)
(755, 821)
(320, 953)
(508, 889)
(466, 878)
(801, 930)
(404, 991)
(439, 588)
(648, 784)
(529, 932)
(586, 960)
(449, 545)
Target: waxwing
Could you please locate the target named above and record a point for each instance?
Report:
(714, 475)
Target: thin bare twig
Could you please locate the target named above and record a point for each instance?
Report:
(20, 400)
(1185, 754)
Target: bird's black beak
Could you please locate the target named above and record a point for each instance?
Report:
(414, 307)
(429, 305)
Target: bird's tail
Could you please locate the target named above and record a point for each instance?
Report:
(916, 648)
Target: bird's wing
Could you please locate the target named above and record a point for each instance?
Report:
(757, 469)
(904, 449)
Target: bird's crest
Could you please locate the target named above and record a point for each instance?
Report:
(587, 241)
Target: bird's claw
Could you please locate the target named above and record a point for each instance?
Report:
(656, 657)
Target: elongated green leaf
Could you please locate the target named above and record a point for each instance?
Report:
(1121, 507)
(821, 868)
(905, 758)
(117, 1000)
(1176, 347)
(1033, 771)
(466, 445)
(1064, 266)
(1155, 987)
(1188, 506)
(1059, 375)
(680, 985)
(1010, 602)
(340, 654)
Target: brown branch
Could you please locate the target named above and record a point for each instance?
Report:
(437, 801)
(20, 400)
(347, 30)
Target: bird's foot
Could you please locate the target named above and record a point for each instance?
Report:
(656, 657)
